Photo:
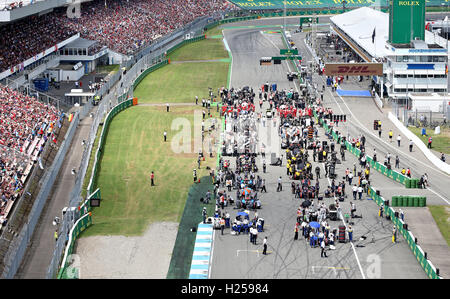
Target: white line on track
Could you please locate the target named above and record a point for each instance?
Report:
(351, 243)
(362, 127)
(287, 62)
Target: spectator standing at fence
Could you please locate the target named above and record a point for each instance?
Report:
(442, 157)
(430, 140)
(56, 235)
(402, 215)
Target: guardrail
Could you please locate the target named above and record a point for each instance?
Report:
(418, 252)
(392, 174)
(116, 110)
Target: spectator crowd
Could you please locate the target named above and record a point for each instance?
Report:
(122, 25)
(25, 125)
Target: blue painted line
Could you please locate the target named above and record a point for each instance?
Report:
(204, 225)
(198, 276)
(200, 258)
(202, 267)
(200, 240)
(204, 233)
(202, 249)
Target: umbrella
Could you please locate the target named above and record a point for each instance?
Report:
(314, 224)
(306, 203)
(246, 191)
(242, 214)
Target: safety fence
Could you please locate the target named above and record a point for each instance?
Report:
(72, 271)
(185, 42)
(402, 229)
(68, 268)
(96, 166)
(390, 173)
(148, 71)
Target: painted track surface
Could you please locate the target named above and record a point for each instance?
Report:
(235, 257)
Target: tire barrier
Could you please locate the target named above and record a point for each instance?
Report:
(408, 201)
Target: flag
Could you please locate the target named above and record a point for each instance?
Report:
(446, 69)
(373, 35)
(70, 117)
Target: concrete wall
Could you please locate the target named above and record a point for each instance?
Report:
(410, 135)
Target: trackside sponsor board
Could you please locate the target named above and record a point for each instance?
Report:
(329, 4)
(354, 69)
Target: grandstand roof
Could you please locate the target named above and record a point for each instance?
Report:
(359, 25)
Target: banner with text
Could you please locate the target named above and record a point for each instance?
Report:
(294, 4)
(354, 69)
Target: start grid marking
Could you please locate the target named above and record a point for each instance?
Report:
(201, 256)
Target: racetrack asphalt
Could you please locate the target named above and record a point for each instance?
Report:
(375, 257)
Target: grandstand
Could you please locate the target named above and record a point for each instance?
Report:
(25, 126)
(39, 42)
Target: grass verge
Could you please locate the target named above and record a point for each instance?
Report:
(441, 142)
(441, 215)
(134, 148)
(208, 49)
(180, 83)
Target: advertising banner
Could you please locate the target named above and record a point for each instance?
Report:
(354, 69)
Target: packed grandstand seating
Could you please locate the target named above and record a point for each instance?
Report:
(25, 126)
(123, 25)
(24, 39)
